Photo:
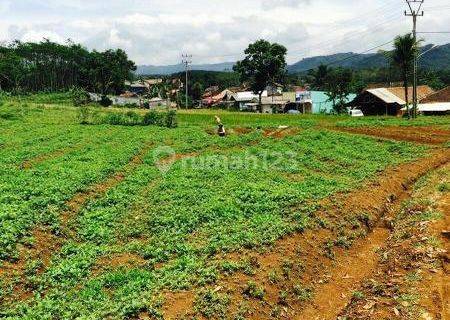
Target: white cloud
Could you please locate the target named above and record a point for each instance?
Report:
(157, 32)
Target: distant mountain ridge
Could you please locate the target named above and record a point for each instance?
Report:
(438, 58)
(171, 69)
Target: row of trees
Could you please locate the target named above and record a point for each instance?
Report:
(49, 66)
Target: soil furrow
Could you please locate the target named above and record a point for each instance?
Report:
(46, 243)
(306, 260)
(424, 135)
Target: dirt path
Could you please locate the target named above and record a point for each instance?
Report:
(312, 275)
(426, 135)
(412, 281)
(356, 265)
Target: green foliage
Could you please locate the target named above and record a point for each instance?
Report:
(211, 304)
(26, 66)
(405, 48)
(105, 101)
(79, 97)
(173, 223)
(89, 115)
(211, 78)
(264, 64)
(339, 86)
(254, 291)
(197, 91)
(86, 115)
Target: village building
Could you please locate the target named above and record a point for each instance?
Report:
(141, 87)
(241, 99)
(437, 103)
(272, 104)
(223, 97)
(387, 101)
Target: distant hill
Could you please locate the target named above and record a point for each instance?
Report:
(171, 69)
(436, 59)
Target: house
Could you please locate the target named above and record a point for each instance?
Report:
(299, 100)
(273, 104)
(439, 96)
(136, 87)
(223, 97)
(387, 101)
(141, 87)
(211, 91)
(242, 98)
(156, 102)
(274, 89)
(152, 82)
(437, 103)
(311, 101)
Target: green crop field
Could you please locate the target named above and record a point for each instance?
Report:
(159, 206)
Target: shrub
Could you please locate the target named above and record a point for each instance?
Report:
(129, 118)
(105, 101)
(152, 118)
(86, 115)
(79, 97)
(171, 119)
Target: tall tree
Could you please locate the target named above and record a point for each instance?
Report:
(49, 66)
(264, 64)
(403, 57)
(319, 76)
(197, 91)
(338, 86)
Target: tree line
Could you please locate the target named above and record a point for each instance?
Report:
(48, 66)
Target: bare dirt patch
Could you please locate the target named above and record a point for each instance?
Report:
(426, 135)
(304, 271)
(412, 280)
(281, 132)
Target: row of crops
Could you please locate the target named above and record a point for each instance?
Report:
(218, 196)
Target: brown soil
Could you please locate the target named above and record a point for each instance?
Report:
(280, 132)
(46, 243)
(116, 261)
(267, 132)
(303, 260)
(426, 135)
(412, 280)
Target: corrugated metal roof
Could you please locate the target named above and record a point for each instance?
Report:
(433, 107)
(247, 96)
(387, 96)
(440, 96)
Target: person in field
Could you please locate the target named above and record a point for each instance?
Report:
(221, 129)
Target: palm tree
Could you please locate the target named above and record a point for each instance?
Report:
(403, 57)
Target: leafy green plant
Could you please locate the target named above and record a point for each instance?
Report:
(211, 304)
(253, 291)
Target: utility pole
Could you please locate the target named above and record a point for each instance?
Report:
(187, 60)
(414, 8)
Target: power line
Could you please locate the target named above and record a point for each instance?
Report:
(433, 32)
(394, 15)
(186, 60)
(414, 11)
(354, 55)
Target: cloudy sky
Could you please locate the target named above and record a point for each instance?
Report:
(159, 31)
